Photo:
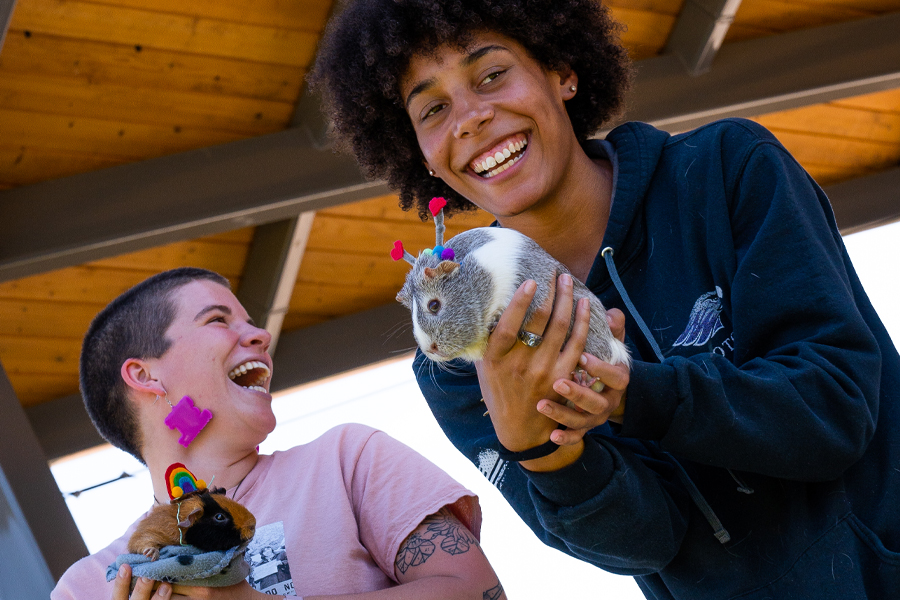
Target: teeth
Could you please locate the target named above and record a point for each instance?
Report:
(257, 389)
(249, 366)
(502, 168)
(498, 158)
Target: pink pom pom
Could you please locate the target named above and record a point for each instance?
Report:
(397, 251)
(436, 205)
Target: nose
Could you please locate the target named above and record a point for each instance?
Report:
(256, 336)
(474, 114)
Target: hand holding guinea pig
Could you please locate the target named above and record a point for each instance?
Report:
(514, 379)
(146, 589)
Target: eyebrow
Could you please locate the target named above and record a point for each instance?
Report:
(211, 308)
(222, 308)
(467, 61)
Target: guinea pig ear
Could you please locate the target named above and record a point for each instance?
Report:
(403, 296)
(447, 268)
(189, 520)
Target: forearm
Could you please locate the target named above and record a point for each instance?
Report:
(440, 559)
(706, 409)
(612, 508)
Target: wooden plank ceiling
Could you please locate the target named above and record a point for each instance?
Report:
(86, 85)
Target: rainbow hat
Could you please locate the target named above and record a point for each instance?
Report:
(180, 482)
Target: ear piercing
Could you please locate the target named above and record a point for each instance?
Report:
(572, 88)
(431, 172)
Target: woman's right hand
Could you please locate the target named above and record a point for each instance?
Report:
(515, 377)
(143, 588)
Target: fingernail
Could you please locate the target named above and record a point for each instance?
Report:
(544, 407)
(145, 579)
(530, 286)
(164, 591)
(122, 571)
(566, 279)
(562, 387)
(582, 360)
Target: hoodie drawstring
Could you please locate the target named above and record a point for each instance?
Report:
(718, 529)
(614, 274)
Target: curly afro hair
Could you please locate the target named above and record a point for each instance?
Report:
(367, 49)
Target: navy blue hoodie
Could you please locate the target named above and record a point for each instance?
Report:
(778, 392)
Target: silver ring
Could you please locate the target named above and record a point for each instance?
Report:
(532, 340)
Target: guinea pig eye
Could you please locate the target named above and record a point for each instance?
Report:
(220, 518)
(434, 306)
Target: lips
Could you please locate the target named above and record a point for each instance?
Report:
(252, 375)
(500, 157)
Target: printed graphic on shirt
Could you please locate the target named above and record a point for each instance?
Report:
(704, 321)
(492, 466)
(269, 569)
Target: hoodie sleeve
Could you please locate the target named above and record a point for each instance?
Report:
(799, 397)
(616, 507)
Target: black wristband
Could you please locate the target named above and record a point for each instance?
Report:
(545, 449)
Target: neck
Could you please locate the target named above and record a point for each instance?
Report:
(570, 226)
(227, 469)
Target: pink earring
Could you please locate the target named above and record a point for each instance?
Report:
(187, 418)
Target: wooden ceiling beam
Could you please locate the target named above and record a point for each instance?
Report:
(271, 271)
(769, 74)
(866, 202)
(90, 216)
(277, 250)
(699, 32)
(39, 538)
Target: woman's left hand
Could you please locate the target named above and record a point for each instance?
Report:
(592, 408)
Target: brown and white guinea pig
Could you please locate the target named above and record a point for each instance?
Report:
(455, 304)
(208, 521)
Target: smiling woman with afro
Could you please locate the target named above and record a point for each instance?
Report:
(368, 47)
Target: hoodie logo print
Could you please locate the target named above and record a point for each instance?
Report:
(492, 466)
(704, 321)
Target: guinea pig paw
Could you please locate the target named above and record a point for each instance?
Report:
(581, 377)
(151, 553)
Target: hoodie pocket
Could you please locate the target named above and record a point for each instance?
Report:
(847, 562)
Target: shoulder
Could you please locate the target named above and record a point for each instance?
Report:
(349, 447)
(730, 141)
(726, 131)
(733, 148)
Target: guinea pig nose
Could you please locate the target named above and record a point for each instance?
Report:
(434, 347)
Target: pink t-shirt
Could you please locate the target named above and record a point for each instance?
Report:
(330, 516)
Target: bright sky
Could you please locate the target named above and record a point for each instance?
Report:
(386, 397)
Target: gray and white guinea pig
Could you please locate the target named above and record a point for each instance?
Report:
(455, 304)
(207, 520)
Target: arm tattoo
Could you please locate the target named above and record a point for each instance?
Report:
(442, 528)
(494, 593)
